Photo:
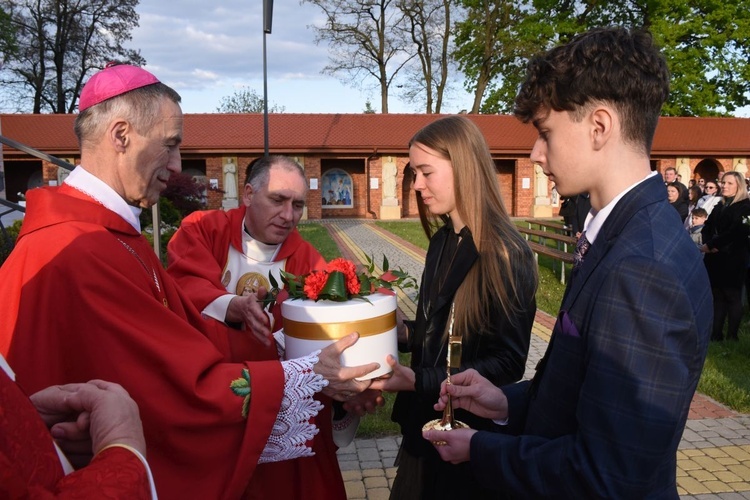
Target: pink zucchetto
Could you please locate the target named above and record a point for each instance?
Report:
(114, 80)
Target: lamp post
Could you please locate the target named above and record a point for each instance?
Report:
(267, 18)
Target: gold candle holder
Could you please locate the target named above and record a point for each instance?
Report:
(448, 422)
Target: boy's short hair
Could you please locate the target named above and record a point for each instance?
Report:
(699, 212)
(611, 65)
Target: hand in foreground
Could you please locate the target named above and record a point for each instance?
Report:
(401, 379)
(457, 444)
(248, 309)
(100, 411)
(472, 392)
(366, 401)
(341, 383)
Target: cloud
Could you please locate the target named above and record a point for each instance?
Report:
(206, 51)
(196, 42)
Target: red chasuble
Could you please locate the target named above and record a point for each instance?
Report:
(83, 296)
(197, 257)
(30, 467)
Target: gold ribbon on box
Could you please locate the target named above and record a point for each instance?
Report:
(336, 331)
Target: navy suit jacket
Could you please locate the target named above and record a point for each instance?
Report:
(605, 412)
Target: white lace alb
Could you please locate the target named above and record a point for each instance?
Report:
(293, 428)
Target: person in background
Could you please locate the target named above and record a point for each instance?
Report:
(726, 254)
(567, 212)
(479, 283)
(83, 296)
(674, 196)
(672, 177)
(711, 197)
(99, 417)
(694, 195)
(605, 411)
(698, 219)
(210, 257)
(583, 207)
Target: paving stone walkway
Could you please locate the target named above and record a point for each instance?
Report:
(713, 460)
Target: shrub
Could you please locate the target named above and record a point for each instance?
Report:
(8, 239)
(170, 216)
(182, 196)
(166, 235)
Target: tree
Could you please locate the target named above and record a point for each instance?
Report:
(428, 26)
(706, 43)
(708, 50)
(369, 110)
(365, 41)
(8, 45)
(493, 42)
(246, 100)
(61, 43)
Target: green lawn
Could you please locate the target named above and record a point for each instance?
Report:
(320, 239)
(726, 374)
(409, 230)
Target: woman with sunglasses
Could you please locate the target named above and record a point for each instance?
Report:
(711, 197)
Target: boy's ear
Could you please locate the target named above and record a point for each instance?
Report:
(602, 124)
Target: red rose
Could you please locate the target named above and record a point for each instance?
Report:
(345, 266)
(314, 283)
(352, 285)
(349, 270)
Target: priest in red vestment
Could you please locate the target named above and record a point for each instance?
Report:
(31, 466)
(83, 296)
(222, 261)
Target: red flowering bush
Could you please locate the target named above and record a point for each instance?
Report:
(339, 281)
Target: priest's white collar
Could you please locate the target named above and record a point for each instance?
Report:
(257, 250)
(89, 184)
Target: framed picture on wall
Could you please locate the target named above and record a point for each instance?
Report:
(336, 189)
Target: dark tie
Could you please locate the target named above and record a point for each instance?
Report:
(582, 246)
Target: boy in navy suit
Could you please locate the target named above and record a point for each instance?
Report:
(605, 412)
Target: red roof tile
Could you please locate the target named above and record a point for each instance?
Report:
(359, 134)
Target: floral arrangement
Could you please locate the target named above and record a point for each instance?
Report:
(340, 281)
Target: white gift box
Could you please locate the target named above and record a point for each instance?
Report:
(311, 325)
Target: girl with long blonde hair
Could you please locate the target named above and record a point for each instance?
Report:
(479, 279)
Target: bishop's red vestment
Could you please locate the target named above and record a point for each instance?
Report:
(83, 296)
(30, 467)
(197, 256)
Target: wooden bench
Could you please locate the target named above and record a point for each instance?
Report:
(557, 254)
(562, 252)
(541, 235)
(545, 224)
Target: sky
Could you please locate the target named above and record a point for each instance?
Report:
(208, 50)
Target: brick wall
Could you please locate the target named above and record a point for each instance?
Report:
(511, 172)
(214, 170)
(524, 198)
(314, 198)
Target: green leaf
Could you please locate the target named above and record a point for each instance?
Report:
(272, 280)
(335, 288)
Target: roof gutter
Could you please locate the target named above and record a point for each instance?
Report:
(367, 181)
